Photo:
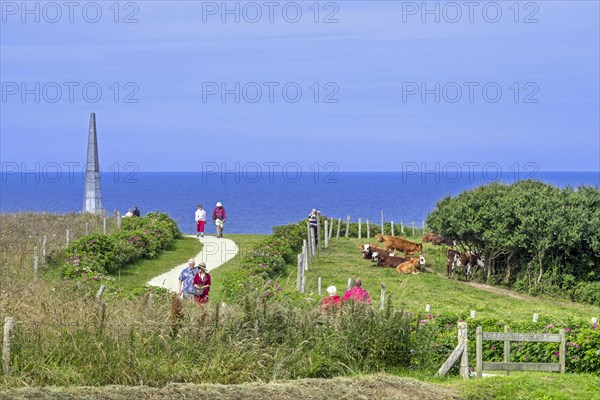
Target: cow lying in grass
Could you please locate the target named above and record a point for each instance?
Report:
(369, 249)
(405, 246)
(465, 261)
(437, 240)
(411, 266)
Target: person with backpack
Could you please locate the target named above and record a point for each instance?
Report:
(219, 216)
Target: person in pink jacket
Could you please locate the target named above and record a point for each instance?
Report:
(357, 293)
(219, 216)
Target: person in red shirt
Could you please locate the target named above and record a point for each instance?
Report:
(202, 284)
(218, 217)
(332, 301)
(357, 293)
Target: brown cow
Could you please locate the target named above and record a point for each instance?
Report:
(370, 251)
(411, 266)
(389, 261)
(466, 261)
(436, 239)
(406, 246)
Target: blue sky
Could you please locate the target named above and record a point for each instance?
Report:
(375, 61)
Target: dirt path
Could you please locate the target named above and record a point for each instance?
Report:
(215, 252)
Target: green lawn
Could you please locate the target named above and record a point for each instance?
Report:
(530, 386)
(139, 273)
(343, 260)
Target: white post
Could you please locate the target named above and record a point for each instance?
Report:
(104, 226)
(594, 320)
(303, 283)
(44, 242)
(535, 317)
(368, 230)
(326, 233)
(382, 300)
(413, 228)
(330, 228)
(347, 225)
(318, 238)
(338, 229)
(300, 271)
(119, 220)
(473, 314)
(305, 251)
(427, 308)
(35, 263)
(360, 228)
(382, 224)
(464, 359)
(349, 283)
(100, 291)
(305, 258)
(392, 224)
(8, 327)
(87, 228)
(402, 227)
(319, 281)
(151, 300)
(68, 238)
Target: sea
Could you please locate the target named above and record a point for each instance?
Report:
(255, 202)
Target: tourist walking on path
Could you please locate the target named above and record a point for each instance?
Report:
(136, 211)
(312, 222)
(185, 287)
(357, 293)
(332, 301)
(200, 220)
(218, 217)
(202, 284)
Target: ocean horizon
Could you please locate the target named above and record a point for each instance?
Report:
(255, 202)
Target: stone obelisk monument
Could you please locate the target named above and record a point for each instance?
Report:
(92, 198)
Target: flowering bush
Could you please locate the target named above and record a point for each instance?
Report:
(101, 254)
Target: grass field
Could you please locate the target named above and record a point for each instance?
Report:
(335, 266)
(412, 292)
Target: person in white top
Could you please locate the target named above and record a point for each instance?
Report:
(200, 220)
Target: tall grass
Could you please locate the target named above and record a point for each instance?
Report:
(81, 341)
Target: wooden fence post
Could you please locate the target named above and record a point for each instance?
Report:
(479, 352)
(9, 323)
(382, 300)
(338, 229)
(347, 225)
(507, 348)
(300, 273)
(392, 224)
(36, 264)
(305, 251)
(462, 341)
(318, 238)
(319, 282)
(313, 247)
(326, 233)
(44, 243)
(402, 227)
(305, 257)
(562, 351)
(100, 291)
(359, 228)
(330, 228)
(104, 226)
(368, 230)
(382, 224)
(68, 238)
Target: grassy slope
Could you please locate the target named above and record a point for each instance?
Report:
(343, 260)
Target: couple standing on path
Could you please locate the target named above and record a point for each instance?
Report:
(218, 217)
(194, 282)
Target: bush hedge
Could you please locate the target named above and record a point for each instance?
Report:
(97, 254)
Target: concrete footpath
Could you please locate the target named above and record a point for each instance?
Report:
(215, 252)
